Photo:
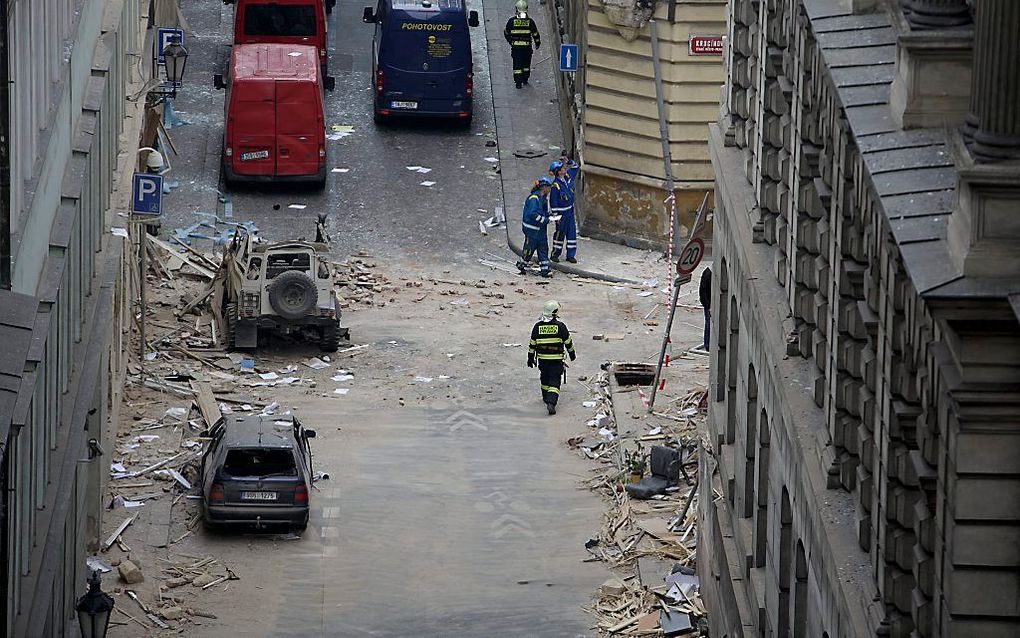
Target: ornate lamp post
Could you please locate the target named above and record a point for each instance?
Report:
(94, 609)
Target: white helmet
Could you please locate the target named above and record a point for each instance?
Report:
(552, 306)
(522, 6)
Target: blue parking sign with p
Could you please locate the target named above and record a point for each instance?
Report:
(146, 194)
(568, 57)
(165, 36)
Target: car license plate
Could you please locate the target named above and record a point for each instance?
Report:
(404, 105)
(258, 496)
(254, 155)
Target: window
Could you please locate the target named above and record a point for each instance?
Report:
(254, 268)
(800, 592)
(761, 518)
(749, 443)
(785, 561)
(279, 19)
(281, 263)
(260, 462)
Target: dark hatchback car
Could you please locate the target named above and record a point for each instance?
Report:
(257, 470)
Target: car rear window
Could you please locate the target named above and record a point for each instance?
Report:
(260, 462)
(289, 261)
(280, 19)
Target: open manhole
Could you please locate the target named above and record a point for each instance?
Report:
(634, 373)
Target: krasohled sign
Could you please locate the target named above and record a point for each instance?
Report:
(705, 45)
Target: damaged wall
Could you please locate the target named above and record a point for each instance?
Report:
(611, 117)
(621, 209)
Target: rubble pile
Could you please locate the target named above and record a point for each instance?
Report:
(651, 545)
(356, 282)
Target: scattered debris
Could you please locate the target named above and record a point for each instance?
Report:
(130, 573)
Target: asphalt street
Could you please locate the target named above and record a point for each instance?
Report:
(378, 205)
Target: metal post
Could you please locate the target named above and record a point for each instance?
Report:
(142, 242)
(665, 343)
(667, 157)
(661, 104)
(6, 217)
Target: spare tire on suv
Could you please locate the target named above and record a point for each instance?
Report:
(292, 294)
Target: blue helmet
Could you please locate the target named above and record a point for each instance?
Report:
(545, 180)
(555, 166)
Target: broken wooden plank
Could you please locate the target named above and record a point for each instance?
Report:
(200, 269)
(117, 532)
(206, 403)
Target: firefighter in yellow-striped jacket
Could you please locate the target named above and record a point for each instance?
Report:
(550, 341)
(521, 32)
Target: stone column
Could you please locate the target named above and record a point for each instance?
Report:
(994, 115)
(938, 14)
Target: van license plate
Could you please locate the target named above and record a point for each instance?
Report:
(404, 105)
(254, 155)
(258, 496)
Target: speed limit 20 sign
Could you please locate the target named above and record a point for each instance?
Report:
(690, 257)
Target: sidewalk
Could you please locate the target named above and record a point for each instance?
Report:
(529, 119)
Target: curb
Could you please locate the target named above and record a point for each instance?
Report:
(570, 269)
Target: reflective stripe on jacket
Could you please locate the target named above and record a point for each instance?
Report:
(550, 340)
(521, 32)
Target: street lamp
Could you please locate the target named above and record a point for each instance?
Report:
(175, 58)
(94, 609)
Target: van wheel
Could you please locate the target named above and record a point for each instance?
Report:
(378, 119)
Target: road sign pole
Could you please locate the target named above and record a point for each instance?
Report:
(142, 265)
(683, 276)
(665, 342)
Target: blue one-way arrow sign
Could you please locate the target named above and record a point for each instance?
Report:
(568, 57)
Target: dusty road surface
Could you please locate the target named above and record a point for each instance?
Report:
(453, 506)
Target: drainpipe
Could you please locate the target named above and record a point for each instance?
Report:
(5, 156)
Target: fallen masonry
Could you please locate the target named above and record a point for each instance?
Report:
(650, 543)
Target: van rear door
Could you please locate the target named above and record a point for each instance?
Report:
(428, 61)
(300, 131)
(252, 127)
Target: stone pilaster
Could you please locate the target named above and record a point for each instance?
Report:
(933, 74)
(938, 14)
(995, 90)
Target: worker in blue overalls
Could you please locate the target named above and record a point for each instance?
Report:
(561, 202)
(534, 221)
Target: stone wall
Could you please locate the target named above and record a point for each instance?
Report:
(866, 394)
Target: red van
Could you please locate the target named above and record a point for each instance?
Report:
(284, 22)
(274, 128)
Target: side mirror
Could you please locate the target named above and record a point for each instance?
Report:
(473, 19)
(368, 15)
(309, 434)
(218, 82)
(329, 83)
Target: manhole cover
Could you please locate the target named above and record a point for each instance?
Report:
(529, 153)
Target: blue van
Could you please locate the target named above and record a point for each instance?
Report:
(421, 58)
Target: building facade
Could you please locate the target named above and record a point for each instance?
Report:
(70, 63)
(865, 365)
(611, 119)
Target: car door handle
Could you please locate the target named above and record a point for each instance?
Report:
(284, 152)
